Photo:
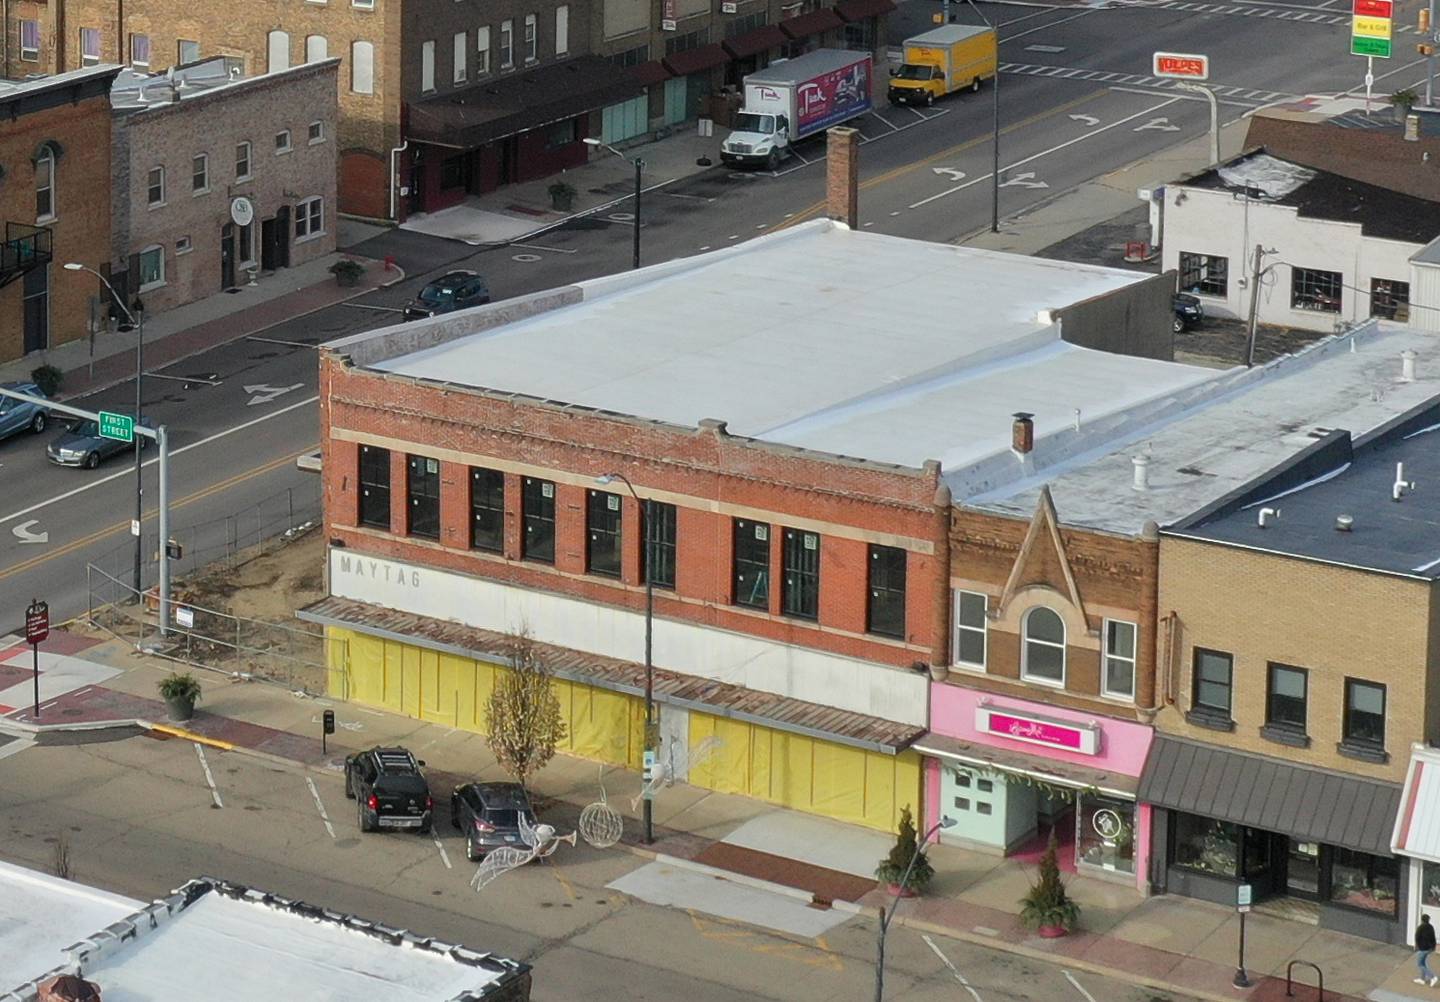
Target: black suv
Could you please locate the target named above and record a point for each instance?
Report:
(488, 814)
(456, 290)
(1188, 311)
(389, 788)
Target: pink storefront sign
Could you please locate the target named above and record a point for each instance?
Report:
(1034, 729)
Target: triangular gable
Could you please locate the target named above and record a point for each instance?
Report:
(1042, 559)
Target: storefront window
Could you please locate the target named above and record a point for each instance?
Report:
(1430, 886)
(1207, 845)
(1106, 833)
(1360, 880)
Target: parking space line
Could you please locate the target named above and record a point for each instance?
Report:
(444, 856)
(16, 746)
(1078, 987)
(954, 970)
(320, 806)
(214, 793)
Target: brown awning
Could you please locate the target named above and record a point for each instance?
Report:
(751, 42)
(859, 10)
(649, 74)
(812, 23)
(707, 57)
(723, 699)
(474, 116)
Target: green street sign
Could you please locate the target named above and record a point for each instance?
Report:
(120, 427)
(1363, 46)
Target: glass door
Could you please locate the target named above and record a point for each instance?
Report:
(1302, 870)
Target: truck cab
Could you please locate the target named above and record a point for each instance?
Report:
(757, 139)
(917, 83)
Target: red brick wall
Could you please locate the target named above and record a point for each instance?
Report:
(708, 468)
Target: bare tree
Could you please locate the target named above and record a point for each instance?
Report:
(523, 722)
(61, 861)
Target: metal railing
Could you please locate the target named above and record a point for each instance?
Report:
(297, 657)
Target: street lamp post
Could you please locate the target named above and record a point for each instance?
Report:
(885, 919)
(139, 326)
(649, 622)
(994, 125)
(639, 167)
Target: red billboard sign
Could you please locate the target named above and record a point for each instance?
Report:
(1181, 65)
(1373, 8)
(37, 623)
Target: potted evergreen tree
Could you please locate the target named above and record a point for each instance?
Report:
(895, 871)
(562, 196)
(181, 693)
(1047, 908)
(347, 272)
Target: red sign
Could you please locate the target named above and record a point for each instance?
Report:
(1038, 730)
(37, 623)
(1179, 64)
(1373, 8)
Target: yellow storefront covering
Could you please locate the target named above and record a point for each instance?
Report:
(792, 770)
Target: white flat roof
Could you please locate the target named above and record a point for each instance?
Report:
(41, 915)
(851, 343)
(1247, 423)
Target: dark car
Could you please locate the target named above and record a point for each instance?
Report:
(82, 445)
(455, 291)
(488, 814)
(20, 415)
(389, 790)
(1188, 311)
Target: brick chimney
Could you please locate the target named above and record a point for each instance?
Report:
(68, 988)
(1022, 433)
(842, 176)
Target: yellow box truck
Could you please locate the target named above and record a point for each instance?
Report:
(944, 60)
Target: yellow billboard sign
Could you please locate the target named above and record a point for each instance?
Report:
(1371, 27)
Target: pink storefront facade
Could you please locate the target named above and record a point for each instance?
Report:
(1010, 771)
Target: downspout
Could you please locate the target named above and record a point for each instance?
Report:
(5, 30)
(394, 174)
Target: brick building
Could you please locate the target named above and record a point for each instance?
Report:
(55, 205)
(801, 527)
(219, 176)
(1296, 640)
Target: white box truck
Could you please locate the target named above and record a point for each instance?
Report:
(796, 98)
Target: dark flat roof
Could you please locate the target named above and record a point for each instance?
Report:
(485, 112)
(1314, 805)
(1380, 212)
(1337, 476)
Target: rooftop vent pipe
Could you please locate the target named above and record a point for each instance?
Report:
(1142, 472)
(1344, 523)
(1401, 487)
(1407, 366)
(1267, 515)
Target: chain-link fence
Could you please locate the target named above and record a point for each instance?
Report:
(297, 657)
(274, 520)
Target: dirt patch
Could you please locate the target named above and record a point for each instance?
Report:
(268, 586)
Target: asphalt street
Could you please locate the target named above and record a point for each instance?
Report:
(1076, 102)
(140, 817)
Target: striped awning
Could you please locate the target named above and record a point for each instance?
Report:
(1417, 824)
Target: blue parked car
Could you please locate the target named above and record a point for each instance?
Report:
(21, 415)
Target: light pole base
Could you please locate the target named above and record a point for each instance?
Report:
(1242, 980)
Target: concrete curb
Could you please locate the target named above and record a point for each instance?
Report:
(783, 890)
(24, 727)
(188, 735)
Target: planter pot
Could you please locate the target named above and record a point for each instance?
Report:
(180, 709)
(939, 673)
(1051, 931)
(562, 203)
(896, 891)
(347, 281)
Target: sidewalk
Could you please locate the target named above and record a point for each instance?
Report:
(179, 333)
(1167, 943)
(524, 209)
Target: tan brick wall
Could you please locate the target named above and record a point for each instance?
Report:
(81, 226)
(1337, 623)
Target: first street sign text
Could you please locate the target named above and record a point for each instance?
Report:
(120, 427)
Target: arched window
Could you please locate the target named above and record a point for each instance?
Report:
(1043, 658)
(44, 183)
(362, 68)
(316, 48)
(279, 51)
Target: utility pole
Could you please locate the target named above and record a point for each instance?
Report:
(994, 120)
(1254, 306)
(1427, 48)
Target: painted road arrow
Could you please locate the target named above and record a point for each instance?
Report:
(950, 172)
(1026, 179)
(1158, 125)
(22, 532)
(1087, 119)
(264, 393)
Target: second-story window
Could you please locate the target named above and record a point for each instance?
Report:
(602, 533)
(537, 511)
(30, 40)
(375, 486)
(1118, 680)
(885, 614)
(427, 66)
(487, 510)
(457, 59)
(89, 46)
(660, 538)
(531, 45)
(1285, 698)
(1211, 701)
(1364, 721)
(507, 44)
(801, 552)
(155, 186)
(752, 564)
(140, 51)
(242, 161)
(422, 488)
(199, 174)
(971, 628)
(45, 184)
(1042, 658)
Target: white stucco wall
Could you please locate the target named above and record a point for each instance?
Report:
(1220, 223)
(827, 679)
(1425, 288)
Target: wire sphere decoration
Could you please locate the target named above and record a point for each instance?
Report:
(601, 825)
